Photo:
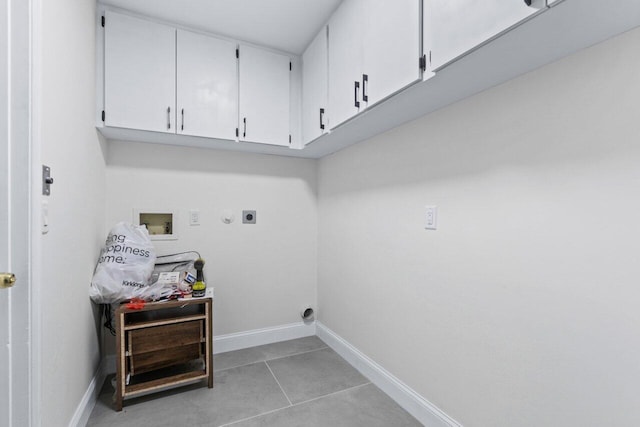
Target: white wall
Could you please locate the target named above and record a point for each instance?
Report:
(522, 308)
(263, 273)
(71, 147)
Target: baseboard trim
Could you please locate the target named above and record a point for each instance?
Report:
(86, 405)
(256, 337)
(423, 410)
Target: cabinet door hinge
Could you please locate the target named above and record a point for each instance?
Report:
(103, 115)
(237, 53)
(103, 21)
(237, 132)
(422, 63)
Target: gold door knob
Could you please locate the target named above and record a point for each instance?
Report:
(7, 280)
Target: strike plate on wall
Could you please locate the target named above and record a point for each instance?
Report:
(46, 180)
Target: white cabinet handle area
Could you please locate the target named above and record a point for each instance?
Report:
(365, 80)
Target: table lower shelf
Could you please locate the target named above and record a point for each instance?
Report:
(161, 383)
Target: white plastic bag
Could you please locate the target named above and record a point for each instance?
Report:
(125, 265)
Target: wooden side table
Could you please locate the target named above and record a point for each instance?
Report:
(162, 345)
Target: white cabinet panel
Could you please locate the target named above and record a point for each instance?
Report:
(264, 96)
(458, 26)
(345, 61)
(392, 47)
(374, 51)
(140, 68)
(207, 88)
(314, 88)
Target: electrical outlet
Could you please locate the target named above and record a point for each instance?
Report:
(431, 217)
(248, 217)
(208, 293)
(194, 217)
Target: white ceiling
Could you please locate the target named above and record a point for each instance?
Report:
(287, 25)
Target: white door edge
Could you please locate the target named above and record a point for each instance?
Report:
(18, 204)
(35, 319)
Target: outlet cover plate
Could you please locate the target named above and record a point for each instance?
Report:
(194, 217)
(248, 217)
(431, 217)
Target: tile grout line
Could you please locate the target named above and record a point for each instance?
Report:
(268, 412)
(294, 404)
(297, 354)
(254, 416)
(273, 411)
(279, 385)
(332, 394)
(275, 358)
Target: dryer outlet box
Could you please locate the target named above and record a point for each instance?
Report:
(248, 217)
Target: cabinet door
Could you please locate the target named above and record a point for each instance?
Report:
(140, 66)
(314, 88)
(345, 61)
(264, 96)
(207, 86)
(458, 26)
(391, 48)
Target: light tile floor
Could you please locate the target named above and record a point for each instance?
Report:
(288, 384)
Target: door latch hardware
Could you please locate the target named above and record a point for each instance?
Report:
(47, 180)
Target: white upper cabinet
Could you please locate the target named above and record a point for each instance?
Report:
(139, 73)
(391, 47)
(264, 96)
(345, 61)
(458, 26)
(374, 51)
(314, 88)
(207, 86)
(162, 79)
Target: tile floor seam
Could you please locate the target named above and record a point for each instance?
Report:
(331, 394)
(297, 354)
(293, 405)
(279, 385)
(254, 416)
(268, 360)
